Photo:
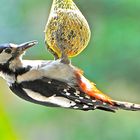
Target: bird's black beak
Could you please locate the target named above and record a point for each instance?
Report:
(22, 47)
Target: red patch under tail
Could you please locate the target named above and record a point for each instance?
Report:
(90, 89)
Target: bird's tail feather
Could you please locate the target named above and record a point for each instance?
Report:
(106, 103)
(126, 105)
(118, 105)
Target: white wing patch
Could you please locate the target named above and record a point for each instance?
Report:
(61, 101)
(29, 76)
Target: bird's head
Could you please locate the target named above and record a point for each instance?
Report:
(9, 51)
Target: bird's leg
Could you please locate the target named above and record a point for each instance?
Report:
(62, 45)
(64, 57)
(51, 51)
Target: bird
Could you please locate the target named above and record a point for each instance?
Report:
(53, 83)
(66, 29)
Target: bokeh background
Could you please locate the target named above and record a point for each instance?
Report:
(111, 60)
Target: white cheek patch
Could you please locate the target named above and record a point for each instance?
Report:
(4, 57)
(9, 79)
(61, 101)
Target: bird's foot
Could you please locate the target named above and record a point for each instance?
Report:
(64, 57)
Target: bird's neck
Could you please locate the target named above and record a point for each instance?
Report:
(14, 67)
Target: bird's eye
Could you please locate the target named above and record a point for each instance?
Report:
(8, 50)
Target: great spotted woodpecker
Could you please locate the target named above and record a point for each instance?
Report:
(52, 83)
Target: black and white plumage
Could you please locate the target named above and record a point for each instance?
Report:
(50, 83)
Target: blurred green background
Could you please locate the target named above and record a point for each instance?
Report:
(112, 61)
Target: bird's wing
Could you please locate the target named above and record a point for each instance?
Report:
(55, 92)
